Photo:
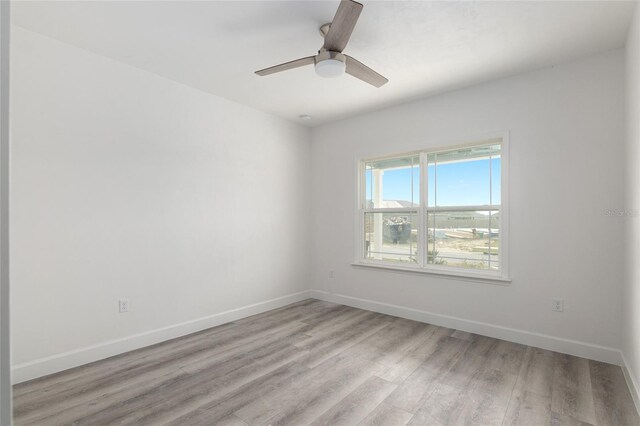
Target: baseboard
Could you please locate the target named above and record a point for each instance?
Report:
(557, 344)
(53, 364)
(631, 382)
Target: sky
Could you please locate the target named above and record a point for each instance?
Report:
(457, 184)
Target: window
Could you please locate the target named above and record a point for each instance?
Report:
(438, 211)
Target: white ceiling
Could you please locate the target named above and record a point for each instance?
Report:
(422, 47)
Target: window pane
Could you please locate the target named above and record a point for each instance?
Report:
(463, 177)
(463, 239)
(391, 236)
(393, 183)
(462, 183)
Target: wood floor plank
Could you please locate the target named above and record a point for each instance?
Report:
(222, 406)
(411, 393)
(326, 345)
(506, 357)
(356, 406)
(463, 335)
(536, 371)
(316, 362)
(564, 420)
(293, 312)
(612, 400)
(486, 401)
(334, 323)
(230, 421)
(440, 407)
(316, 400)
(483, 345)
(324, 319)
(308, 398)
(464, 370)
(528, 408)
(390, 343)
(415, 355)
(572, 394)
(456, 389)
(386, 415)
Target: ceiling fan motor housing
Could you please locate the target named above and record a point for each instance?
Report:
(330, 64)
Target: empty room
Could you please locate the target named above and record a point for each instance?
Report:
(329, 212)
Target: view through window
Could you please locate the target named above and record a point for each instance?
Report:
(434, 209)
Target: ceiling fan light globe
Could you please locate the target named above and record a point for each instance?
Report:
(330, 68)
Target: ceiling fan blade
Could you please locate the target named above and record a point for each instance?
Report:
(287, 66)
(364, 73)
(342, 25)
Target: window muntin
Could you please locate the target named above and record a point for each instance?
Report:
(455, 225)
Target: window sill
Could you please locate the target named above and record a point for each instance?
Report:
(454, 275)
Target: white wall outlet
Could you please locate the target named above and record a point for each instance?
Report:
(332, 274)
(123, 305)
(557, 305)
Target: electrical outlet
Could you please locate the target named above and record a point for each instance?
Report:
(123, 305)
(557, 305)
(332, 274)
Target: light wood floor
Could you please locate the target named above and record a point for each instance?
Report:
(319, 363)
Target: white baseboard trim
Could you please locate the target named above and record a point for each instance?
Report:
(557, 344)
(632, 383)
(53, 364)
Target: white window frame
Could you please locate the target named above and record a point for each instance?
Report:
(500, 276)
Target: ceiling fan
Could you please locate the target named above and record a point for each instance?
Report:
(330, 61)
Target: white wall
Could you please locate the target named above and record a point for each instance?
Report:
(631, 319)
(129, 185)
(566, 127)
